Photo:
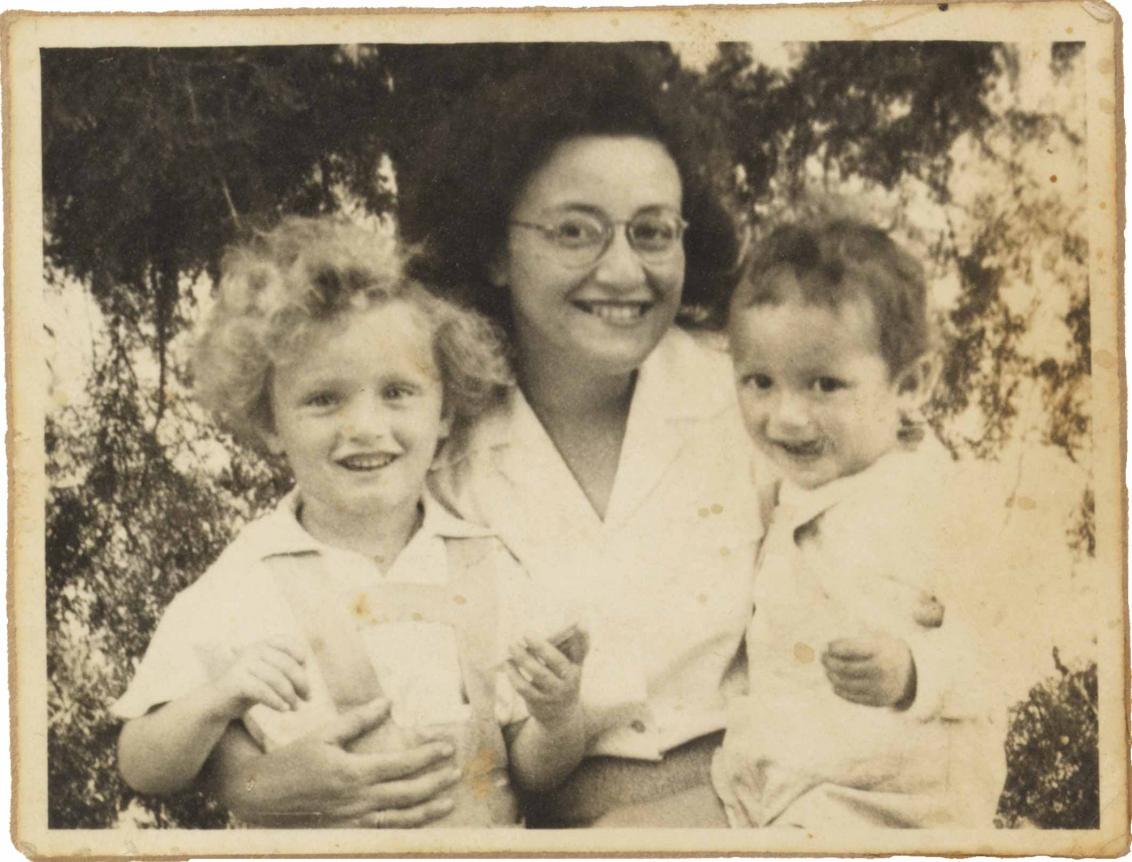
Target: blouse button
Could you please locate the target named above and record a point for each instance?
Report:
(638, 726)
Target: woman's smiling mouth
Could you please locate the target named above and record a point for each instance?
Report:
(614, 312)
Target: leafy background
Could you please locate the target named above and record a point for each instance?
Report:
(154, 160)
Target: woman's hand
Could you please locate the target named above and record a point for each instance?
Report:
(315, 781)
(875, 671)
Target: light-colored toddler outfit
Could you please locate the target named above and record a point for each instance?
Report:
(854, 558)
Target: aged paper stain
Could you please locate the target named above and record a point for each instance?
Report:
(1104, 358)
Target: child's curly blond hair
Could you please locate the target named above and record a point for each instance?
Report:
(277, 287)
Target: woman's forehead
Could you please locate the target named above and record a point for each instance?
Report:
(618, 174)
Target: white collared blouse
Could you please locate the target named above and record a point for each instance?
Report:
(664, 582)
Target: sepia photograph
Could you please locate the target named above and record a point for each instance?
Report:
(695, 431)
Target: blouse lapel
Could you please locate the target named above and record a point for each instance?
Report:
(677, 387)
(676, 390)
(530, 460)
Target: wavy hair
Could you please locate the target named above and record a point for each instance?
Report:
(276, 288)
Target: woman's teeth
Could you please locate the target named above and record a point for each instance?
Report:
(366, 462)
(615, 312)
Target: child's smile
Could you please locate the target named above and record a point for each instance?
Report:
(365, 463)
(359, 418)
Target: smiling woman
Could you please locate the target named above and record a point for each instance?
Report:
(602, 311)
(571, 203)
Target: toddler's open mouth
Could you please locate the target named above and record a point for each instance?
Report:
(804, 450)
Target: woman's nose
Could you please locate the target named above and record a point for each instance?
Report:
(620, 265)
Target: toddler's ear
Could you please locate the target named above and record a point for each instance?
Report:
(914, 384)
(445, 424)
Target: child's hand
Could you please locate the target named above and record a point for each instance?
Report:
(546, 678)
(270, 672)
(928, 612)
(871, 671)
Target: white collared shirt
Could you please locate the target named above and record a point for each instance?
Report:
(664, 581)
(237, 602)
(854, 558)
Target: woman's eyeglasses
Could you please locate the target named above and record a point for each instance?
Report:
(581, 237)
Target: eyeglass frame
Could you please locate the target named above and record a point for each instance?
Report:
(611, 226)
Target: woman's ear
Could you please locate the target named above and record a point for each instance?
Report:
(914, 384)
(445, 424)
(497, 269)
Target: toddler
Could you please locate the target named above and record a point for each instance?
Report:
(864, 709)
(358, 585)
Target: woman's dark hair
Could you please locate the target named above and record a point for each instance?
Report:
(459, 190)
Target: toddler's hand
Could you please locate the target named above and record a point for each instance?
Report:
(871, 671)
(270, 672)
(928, 612)
(546, 678)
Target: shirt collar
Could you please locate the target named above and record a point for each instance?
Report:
(279, 533)
(798, 506)
(678, 380)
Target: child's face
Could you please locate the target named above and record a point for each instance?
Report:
(360, 414)
(816, 394)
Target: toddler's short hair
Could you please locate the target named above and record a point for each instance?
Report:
(839, 261)
(277, 287)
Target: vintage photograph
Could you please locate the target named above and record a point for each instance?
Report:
(664, 437)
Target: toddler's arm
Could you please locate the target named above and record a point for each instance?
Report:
(163, 751)
(875, 671)
(550, 744)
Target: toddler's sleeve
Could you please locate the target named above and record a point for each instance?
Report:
(955, 663)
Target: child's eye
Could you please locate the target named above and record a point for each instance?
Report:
(321, 399)
(397, 391)
(827, 385)
(758, 381)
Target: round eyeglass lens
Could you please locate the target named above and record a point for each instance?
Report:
(654, 233)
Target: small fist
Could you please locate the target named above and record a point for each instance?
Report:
(546, 677)
(270, 672)
(871, 671)
(928, 613)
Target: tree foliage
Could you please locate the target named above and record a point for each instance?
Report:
(1053, 746)
(154, 160)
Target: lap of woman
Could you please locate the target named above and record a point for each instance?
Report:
(697, 808)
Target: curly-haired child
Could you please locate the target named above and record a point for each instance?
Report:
(358, 585)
